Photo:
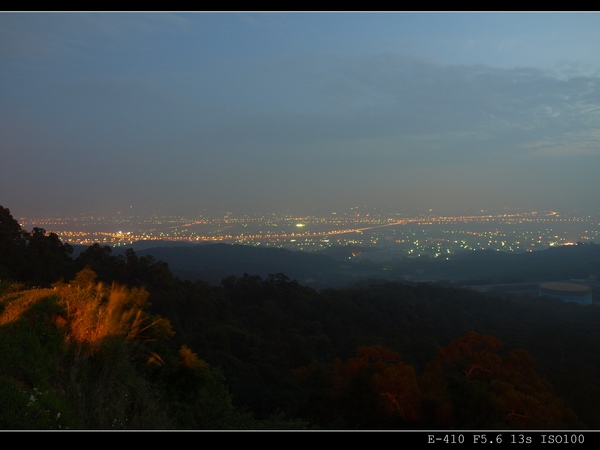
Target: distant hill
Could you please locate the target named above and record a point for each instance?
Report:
(137, 246)
(554, 263)
(334, 267)
(214, 262)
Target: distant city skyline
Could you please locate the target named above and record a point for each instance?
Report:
(389, 234)
(298, 111)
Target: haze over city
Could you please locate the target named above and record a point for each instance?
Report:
(300, 112)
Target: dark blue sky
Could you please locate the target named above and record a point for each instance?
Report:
(302, 112)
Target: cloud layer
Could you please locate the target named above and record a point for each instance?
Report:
(303, 112)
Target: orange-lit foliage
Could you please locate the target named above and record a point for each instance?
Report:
(190, 360)
(473, 354)
(391, 379)
(504, 390)
(373, 389)
(96, 311)
(468, 384)
(398, 385)
(13, 310)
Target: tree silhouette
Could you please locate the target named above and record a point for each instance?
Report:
(36, 257)
(49, 258)
(13, 242)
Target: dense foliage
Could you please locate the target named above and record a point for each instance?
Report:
(105, 341)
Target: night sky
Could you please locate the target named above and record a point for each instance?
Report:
(183, 113)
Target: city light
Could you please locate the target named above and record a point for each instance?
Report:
(386, 235)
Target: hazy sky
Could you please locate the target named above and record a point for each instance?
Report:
(300, 112)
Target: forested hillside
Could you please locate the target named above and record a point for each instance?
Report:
(105, 341)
